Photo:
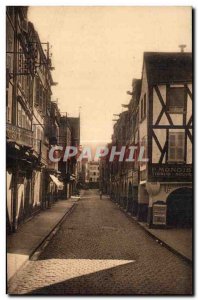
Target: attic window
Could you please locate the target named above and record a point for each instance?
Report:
(176, 99)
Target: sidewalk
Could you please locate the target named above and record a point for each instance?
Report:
(22, 244)
(177, 239)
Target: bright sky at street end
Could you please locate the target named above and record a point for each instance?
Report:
(97, 51)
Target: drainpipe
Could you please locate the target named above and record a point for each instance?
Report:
(15, 197)
(14, 122)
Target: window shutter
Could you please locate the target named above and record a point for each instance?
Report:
(176, 146)
(19, 115)
(37, 93)
(180, 146)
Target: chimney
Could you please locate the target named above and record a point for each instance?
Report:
(182, 47)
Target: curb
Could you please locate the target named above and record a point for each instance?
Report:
(161, 242)
(164, 244)
(43, 243)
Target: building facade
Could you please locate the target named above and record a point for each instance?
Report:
(33, 123)
(20, 74)
(165, 113)
(69, 136)
(159, 118)
(93, 174)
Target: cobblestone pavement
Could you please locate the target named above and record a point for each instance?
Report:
(99, 250)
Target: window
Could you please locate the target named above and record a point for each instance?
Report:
(176, 99)
(141, 117)
(145, 154)
(37, 92)
(19, 115)
(23, 119)
(176, 147)
(143, 108)
(39, 134)
(23, 125)
(144, 105)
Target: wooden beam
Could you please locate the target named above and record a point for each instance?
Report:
(163, 104)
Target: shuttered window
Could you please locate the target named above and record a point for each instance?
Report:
(37, 92)
(23, 119)
(176, 147)
(19, 115)
(176, 99)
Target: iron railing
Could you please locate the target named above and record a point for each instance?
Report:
(19, 135)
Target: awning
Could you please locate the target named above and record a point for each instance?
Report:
(57, 182)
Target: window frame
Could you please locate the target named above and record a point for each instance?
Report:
(143, 108)
(176, 109)
(176, 134)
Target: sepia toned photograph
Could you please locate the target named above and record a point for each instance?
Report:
(99, 150)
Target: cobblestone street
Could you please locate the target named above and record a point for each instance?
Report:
(99, 250)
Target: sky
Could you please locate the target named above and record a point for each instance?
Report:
(97, 51)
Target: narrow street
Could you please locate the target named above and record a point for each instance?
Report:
(99, 250)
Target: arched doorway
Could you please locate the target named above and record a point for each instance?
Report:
(179, 208)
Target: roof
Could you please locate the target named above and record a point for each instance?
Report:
(165, 67)
(136, 90)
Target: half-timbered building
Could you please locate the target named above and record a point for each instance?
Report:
(165, 128)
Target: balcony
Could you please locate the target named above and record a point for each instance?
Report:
(20, 136)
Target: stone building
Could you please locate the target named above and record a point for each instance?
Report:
(93, 174)
(32, 122)
(69, 136)
(21, 161)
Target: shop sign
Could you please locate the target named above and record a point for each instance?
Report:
(171, 172)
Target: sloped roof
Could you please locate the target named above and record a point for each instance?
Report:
(136, 90)
(165, 67)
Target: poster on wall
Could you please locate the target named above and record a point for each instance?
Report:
(159, 214)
